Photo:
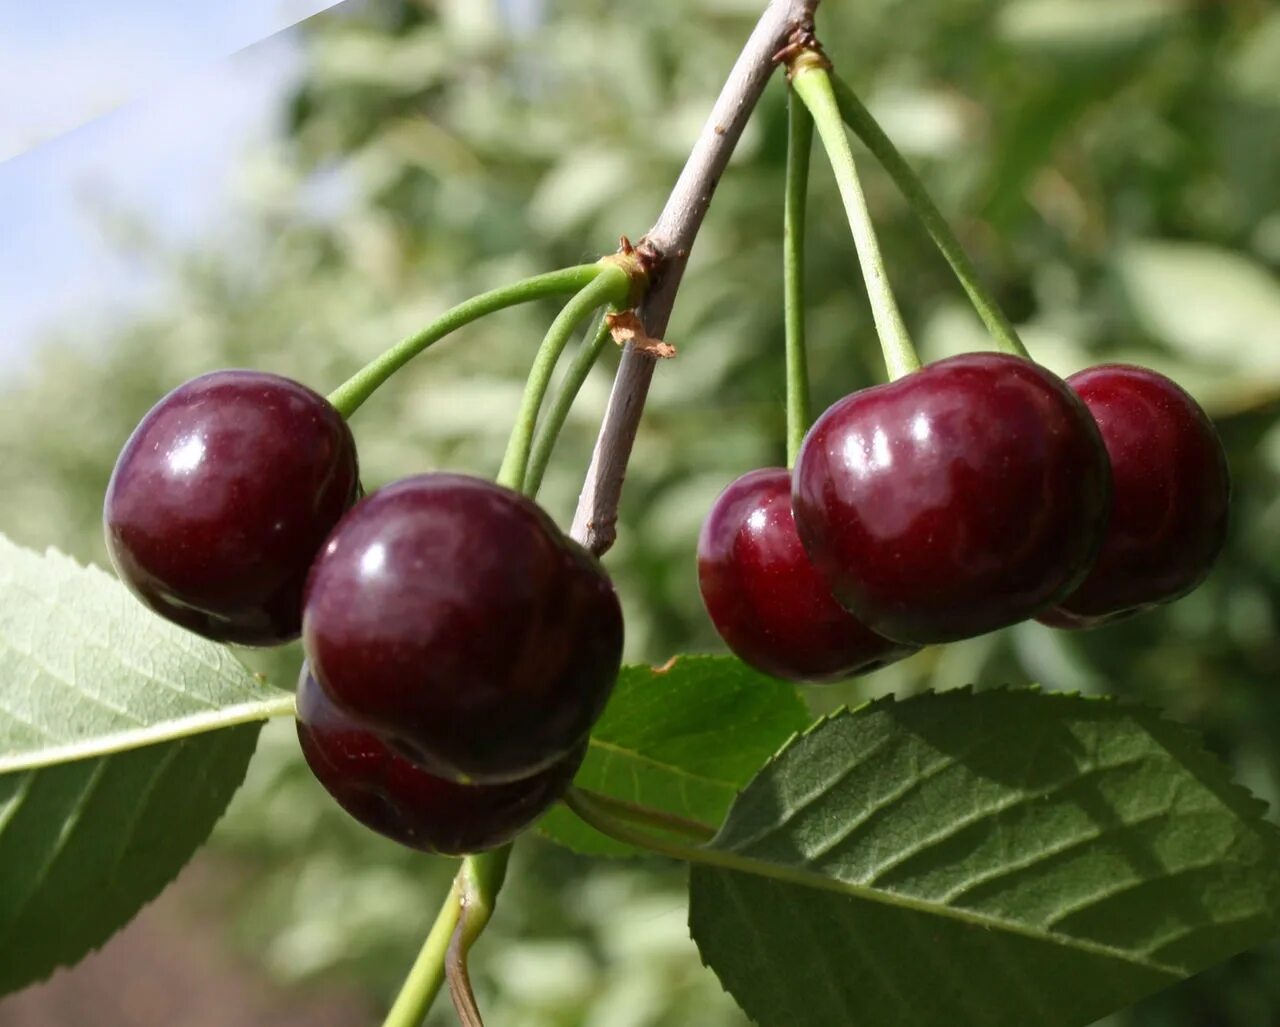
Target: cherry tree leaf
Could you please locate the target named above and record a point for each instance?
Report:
(681, 739)
(122, 739)
(987, 859)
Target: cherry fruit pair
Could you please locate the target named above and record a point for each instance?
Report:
(462, 648)
(975, 493)
(460, 645)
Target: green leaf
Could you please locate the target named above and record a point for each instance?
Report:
(988, 859)
(84, 846)
(1202, 301)
(122, 738)
(86, 670)
(682, 739)
(1081, 29)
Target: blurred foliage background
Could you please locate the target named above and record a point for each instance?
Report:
(1112, 165)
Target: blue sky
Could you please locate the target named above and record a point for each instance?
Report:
(148, 106)
(63, 62)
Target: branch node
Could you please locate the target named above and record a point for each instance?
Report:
(803, 51)
(640, 265)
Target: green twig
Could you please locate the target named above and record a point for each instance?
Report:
(543, 446)
(799, 146)
(480, 880)
(694, 830)
(588, 808)
(348, 396)
(612, 285)
(813, 85)
(595, 816)
(427, 975)
(864, 126)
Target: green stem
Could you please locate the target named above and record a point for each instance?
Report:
(864, 126)
(612, 284)
(724, 859)
(584, 360)
(594, 813)
(480, 880)
(427, 975)
(694, 830)
(799, 146)
(813, 85)
(348, 396)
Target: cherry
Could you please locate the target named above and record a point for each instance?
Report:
(453, 616)
(764, 596)
(393, 796)
(1172, 494)
(222, 497)
(964, 497)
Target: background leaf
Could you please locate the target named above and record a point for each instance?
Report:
(992, 858)
(112, 770)
(1207, 303)
(683, 739)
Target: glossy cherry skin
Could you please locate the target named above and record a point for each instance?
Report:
(764, 596)
(453, 616)
(222, 497)
(967, 496)
(395, 797)
(1172, 494)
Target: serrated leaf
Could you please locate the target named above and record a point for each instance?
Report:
(85, 845)
(122, 738)
(86, 670)
(682, 739)
(988, 859)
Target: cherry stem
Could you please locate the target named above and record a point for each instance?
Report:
(611, 285)
(865, 127)
(479, 882)
(812, 84)
(635, 813)
(576, 376)
(423, 984)
(799, 147)
(348, 396)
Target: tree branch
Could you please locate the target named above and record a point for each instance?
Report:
(671, 239)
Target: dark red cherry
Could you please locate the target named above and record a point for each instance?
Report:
(453, 616)
(764, 596)
(393, 796)
(221, 499)
(1171, 496)
(962, 498)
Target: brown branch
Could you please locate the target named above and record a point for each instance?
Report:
(671, 239)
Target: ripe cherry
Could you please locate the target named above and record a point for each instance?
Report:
(222, 497)
(393, 796)
(764, 596)
(959, 499)
(451, 615)
(1172, 494)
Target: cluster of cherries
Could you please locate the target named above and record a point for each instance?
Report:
(976, 493)
(459, 646)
